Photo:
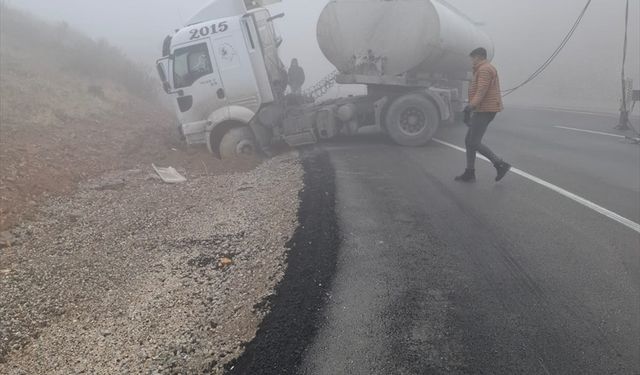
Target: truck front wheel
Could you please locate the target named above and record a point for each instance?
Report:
(412, 120)
(238, 142)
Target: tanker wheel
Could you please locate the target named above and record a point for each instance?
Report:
(238, 143)
(412, 120)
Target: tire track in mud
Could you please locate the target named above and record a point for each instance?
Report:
(293, 320)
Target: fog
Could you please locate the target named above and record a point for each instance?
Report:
(525, 32)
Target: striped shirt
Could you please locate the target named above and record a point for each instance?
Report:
(484, 91)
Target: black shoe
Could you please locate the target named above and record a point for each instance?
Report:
(469, 175)
(502, 168)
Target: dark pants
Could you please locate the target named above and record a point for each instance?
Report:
(479, 124)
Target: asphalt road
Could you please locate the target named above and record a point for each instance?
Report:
(438, 277)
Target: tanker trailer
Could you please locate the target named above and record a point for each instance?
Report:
(398, 38)
(412, 55)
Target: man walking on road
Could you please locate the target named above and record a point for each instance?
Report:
(485, 102)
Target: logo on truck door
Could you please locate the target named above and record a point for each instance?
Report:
(227, 52)
(205, 31)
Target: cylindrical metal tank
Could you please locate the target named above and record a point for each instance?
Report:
(391, 37)
(218, 9)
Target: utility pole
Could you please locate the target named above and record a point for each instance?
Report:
(623, 124)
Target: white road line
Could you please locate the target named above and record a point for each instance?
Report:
(577, 111)
(591, 132)
(576, 198)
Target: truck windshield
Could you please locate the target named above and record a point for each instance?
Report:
(191, 63)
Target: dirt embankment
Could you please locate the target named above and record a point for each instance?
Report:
(71, 109)
(103, 268)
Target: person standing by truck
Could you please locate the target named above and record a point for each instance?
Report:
(296, 77)
(485, 102)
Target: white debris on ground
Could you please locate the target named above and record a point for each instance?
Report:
(131, 275)
(169, 175)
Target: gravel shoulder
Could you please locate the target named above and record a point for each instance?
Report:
(130, 275)
(296, 310)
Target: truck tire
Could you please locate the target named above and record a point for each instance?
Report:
(412, 120)
(238, 142)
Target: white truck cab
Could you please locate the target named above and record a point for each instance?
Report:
(220, 73)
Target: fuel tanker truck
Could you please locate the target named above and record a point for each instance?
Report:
(228, 83)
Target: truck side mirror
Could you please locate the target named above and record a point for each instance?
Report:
(271, 19)
(161, 66)
(161, 71)
(275, 17)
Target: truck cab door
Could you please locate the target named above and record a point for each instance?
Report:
(196, 80)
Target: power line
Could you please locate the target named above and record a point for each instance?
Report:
(555, 54)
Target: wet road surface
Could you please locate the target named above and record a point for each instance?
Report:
(437, 277)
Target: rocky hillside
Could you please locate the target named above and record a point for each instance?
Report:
(105, 269)
(72, 108)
